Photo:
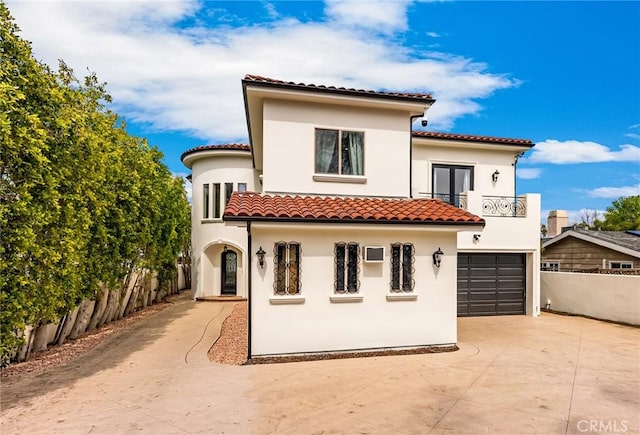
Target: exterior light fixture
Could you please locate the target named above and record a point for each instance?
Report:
(437, 257)
(476, 237)
(494, 176)
(225, 249)
(260, 253)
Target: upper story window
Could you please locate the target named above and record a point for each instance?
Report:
(339, 152)
(449, 181)
(287, 268)
(205, 201)
(402, 259)
(347, 259)
(213, 201)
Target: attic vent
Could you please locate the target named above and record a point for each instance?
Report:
(373, 254)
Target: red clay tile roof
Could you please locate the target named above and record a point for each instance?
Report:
(472, 138)
(251, 206)
(407, 96)
(221, 147)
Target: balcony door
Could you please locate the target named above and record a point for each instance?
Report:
(449, 181)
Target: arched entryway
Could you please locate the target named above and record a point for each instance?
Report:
(228, 272)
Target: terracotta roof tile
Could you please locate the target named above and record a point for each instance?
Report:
(422, 97)
(472, 138)
(257, 207)
(220, 147)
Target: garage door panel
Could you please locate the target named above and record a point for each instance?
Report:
(491, 284)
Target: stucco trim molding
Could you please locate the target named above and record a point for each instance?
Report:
(402, 297)
(286, 300)
(346, 298)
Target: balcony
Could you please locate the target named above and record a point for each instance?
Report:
(485, 205)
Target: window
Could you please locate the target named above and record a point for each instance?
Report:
(347, 259)
(205, 201)
(450, 181)
(339, 152)
(402, 259)
(550, 266)
(228, 190)
(242, 187)
(621, 265)
(216, 200)
(287, 268)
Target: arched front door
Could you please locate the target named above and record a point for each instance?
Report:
(229, 266)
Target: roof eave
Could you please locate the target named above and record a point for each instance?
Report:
(480, 224)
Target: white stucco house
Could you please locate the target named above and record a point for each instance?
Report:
(346, 230)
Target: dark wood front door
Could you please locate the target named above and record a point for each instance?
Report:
(229, 267)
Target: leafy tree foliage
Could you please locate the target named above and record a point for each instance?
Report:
(81, 201)
(623, 214)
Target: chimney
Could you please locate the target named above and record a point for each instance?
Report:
(556, 220)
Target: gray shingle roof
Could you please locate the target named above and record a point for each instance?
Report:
(625, 239)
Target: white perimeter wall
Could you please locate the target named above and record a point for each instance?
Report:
(608, 297)
(321, 325)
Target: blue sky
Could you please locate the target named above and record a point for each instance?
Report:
(563, 74)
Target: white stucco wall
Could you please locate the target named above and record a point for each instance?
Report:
(208, 236)
(607, 297)
(484, 160)
(319, 324)
(289, 147)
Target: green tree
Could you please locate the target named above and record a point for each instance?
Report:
(81, 201)
(623, 214)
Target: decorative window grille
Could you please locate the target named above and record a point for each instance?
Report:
(347, 264)
(402, 267)
(286, 268)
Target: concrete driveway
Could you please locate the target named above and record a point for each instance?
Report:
(512, 375)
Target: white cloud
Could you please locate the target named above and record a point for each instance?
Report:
(179, 78)
(615, 192)
(635, 126)
(573, 151)
(433, 34)
(528, 173)
(633, 135)
(382, 16)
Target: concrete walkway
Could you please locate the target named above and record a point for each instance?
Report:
(512, 375)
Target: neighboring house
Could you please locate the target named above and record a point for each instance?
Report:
(581, 250)
(347, 230)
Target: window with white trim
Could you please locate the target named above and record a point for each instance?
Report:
(621, 265)
(402, 260)
(550, 266)
(216, 200)
(347, 265)
(287, 268)
(339, 152)
(205, 201)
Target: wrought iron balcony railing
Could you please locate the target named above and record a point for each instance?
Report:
(504, 206)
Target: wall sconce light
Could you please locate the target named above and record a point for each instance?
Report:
(494, 176)
(437, 257)
(476, 237)
(225, 249)
(260, 253)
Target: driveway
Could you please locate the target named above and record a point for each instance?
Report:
(512, 375)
